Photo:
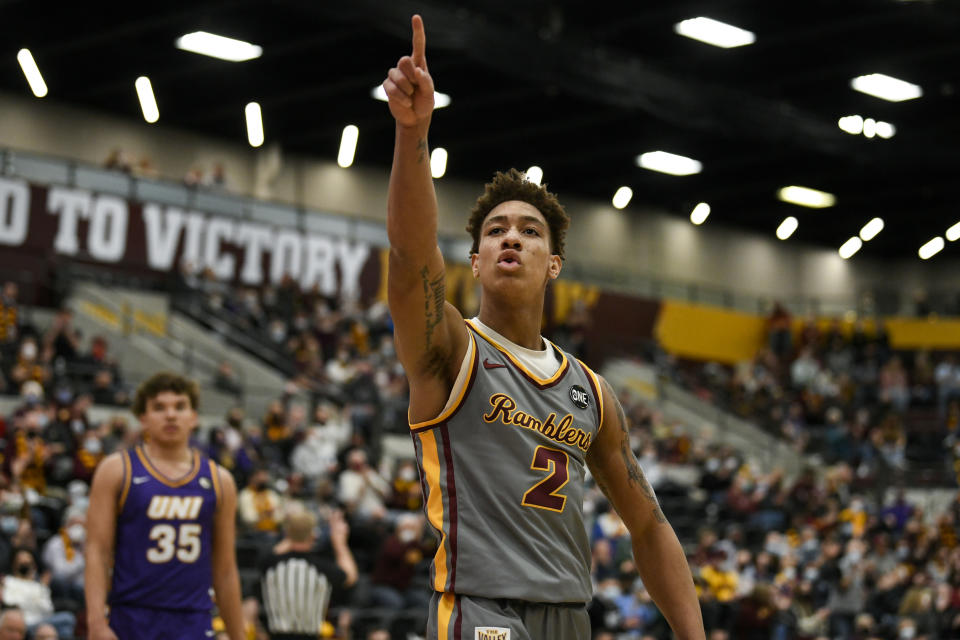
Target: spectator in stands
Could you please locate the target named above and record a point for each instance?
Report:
(63, 558)
(24, 589)
(31, 365)
(12, 625)
(279, 442)
(9, 318)
(217, 178)
(62, 337)
(88, 456)
(890, 440)
(259, 506)
(893, 385)
(405, 494)
(717, 601)
(106, 391)
(779, 331)
(119, 160)
(226, 379)
(316, 455)
(363, 396)
(193, 177)
(804, 369)
(947, 377)
(362, 490)
(398, 561)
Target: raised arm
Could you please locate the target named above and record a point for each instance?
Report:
(430, 335)
(101, 530)
(657, 552)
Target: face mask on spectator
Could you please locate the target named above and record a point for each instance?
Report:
(77, 533)
(610, 592)
(77, 426)
(407, 474)
(28, 351)
(908, 632)
(26, 569)
(406, 535)
(9, 524)
(93, 446)
(277, 333)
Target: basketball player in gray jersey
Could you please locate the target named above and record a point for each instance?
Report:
(504, 422)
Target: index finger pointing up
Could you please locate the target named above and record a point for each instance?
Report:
(419, 43)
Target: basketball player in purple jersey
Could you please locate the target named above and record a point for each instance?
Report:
(162, 516)
(503, 448)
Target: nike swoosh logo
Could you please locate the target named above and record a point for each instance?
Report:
(140, 479)
(493, 365)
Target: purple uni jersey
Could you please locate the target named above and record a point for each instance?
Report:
(163, 551)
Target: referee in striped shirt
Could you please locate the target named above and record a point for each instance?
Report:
(296, 582)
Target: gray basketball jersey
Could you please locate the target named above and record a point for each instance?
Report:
(502, 472)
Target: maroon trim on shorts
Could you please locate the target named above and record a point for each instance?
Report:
(457, 632)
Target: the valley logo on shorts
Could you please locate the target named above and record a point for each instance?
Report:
(579, 396)
(491, 633)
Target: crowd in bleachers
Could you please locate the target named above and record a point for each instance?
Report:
(820, 555)
(842, 393)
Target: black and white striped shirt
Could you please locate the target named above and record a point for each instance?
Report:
(295, 591)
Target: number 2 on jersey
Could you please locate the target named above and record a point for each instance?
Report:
(543, 495)
(186, 544)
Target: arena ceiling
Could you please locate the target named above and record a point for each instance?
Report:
(577, 88)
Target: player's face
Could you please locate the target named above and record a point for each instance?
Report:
(514, 248)
(169, 418)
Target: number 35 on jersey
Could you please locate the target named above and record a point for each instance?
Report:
(181, 541)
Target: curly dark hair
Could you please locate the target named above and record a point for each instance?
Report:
(164, 381)
(513, 185)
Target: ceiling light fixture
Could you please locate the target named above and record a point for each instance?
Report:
(886, 87)
(851, 124)
(622, 197)
(719, 34)
(953, 233)
(440, 100)
(148, 102)
(787, 227)
(670, 163)
(348, 145)
(871, 229)
(32, 72)
(855, 125)
(438, 162)
(885, 129)
(254, 124)
(699, 214)
(931, 248)
(210, 44)
(534, 174)
(850, 247)
(807, 197)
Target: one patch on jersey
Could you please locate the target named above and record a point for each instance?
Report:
(491, 633)
(204, 483)
(579, 396)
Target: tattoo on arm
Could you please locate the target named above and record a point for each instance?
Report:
(434, 295)
(634, 474)
(421, 150)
